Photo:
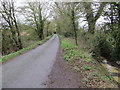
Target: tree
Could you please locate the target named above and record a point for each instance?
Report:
(114, 16)
(92, 14)
(8, 14)
(36, 13)
(73, 19)
(70, 10)
(47, 26)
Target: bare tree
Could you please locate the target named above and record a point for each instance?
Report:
(37, 13)
(9, 17)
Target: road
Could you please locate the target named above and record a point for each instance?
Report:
(31, 69)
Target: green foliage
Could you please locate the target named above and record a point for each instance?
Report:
(96, 74)
(107, 45)
(68, 34)
(76, 68)
(66, 57)
(89, 60)
(105, 77)
(7, 57)
(86, 67)
(90, 76)
(66, 45)
(82, 62)
(85, 80)
(116, 52)
(72, 52)
(101, 45)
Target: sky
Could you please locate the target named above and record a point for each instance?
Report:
(70, 0)
(81, 24)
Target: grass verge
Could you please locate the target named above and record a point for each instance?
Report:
(86, 66)
(9, 56)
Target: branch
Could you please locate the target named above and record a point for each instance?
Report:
(100, 10)
(61, 11)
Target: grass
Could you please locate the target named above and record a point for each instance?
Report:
(76, 68)
(105, 77)
(83, 63)
(89, 60)
(85, 80)
(9, 56)
(86, 67)
(95, 74)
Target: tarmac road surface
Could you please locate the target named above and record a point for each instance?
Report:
(31, 69)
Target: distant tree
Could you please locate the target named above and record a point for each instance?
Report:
(36, 14)
(47, 27)
(70, 10)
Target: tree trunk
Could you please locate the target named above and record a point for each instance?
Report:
(41, 23)
(74, 27)
(119, 14)
(91, 19)
(91, 27)
(18, 34)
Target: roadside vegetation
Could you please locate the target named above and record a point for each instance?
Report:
(9, 56)
(20, 29)
(97, 27)
(97, 23)
(101, 39)
(90, 71)
(93, 27)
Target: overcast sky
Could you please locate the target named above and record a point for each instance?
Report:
(19, 3)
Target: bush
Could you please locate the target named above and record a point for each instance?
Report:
(68, 34)
(101, 45)
(116, 52)
(106, 45)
